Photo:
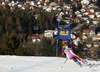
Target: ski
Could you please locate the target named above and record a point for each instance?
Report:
(90, 65)
(76, 61)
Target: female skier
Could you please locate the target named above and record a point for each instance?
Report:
(66, 50)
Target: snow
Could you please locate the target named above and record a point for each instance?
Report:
(43, 64)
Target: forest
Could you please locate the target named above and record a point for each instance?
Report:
(17, 26)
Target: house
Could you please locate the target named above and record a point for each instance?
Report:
(95, 22)
(89, 45)
(35, 38)
(61, 13)
(92, 32)
(85, 36)
(98, 18)
(83, 10)
(12, 3)
(49, 9)
(36, 16)
(66, 21)
(97, 13)
(96, 44)
(87, 21)
(98, 33)
(67, 6)
(45, 7)
(75, 31)
(46, 3)
(33, 3)
(96, 38)
(84, 18)
(77, 12)
(4, 3)
(73, 36)
(86, 32)
(40, 2)
(76, 20)
(91, 15)
(54, 8)
(76, 41)
(91, 5)
(47, 0)
(55, 32)
(23, 7)
(49, 33)
(84, 3)
(33, 7)
(91, 10)
(79, 15)
(52, 4)
(85, 13)
(19, 5)
(86, 49)
(59, 17)
(59, 8)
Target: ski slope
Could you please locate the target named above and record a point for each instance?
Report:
(42, 64)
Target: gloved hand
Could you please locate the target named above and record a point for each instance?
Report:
(64, 54)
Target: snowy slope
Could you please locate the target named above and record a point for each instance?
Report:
(42, 64)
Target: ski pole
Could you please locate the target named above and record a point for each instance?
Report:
(64, 63)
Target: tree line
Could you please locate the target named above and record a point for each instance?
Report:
(17, 26)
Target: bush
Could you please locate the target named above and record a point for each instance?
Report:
(24, 51)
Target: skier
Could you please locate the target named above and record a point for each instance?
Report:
(66, 50)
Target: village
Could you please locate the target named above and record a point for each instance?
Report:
(85, 22)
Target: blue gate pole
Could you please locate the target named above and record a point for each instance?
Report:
(57, 49)
(70, 33)
(57, 40)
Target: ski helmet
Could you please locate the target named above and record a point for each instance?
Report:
(66, 41)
